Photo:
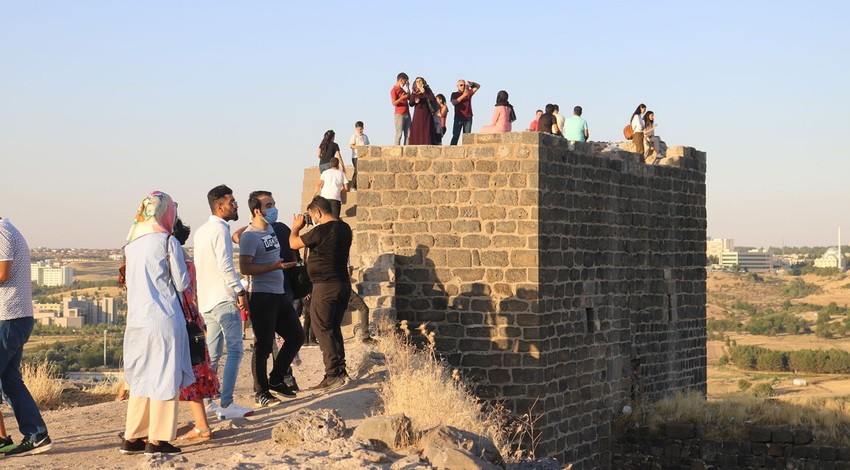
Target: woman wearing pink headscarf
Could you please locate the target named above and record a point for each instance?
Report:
(156, 346)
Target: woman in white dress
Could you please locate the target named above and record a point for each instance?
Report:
(156, 345)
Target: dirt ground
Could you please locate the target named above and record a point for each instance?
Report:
(87, 437)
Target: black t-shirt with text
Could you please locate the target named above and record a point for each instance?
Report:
(329, 245)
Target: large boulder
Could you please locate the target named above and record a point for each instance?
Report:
(452, 448)
(308, 426)
(394, 431)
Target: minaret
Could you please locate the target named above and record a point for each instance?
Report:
(840, 258)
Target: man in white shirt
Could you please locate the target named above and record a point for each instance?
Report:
(559, 119)
(331, 185)
(358, 138)
(221, 295)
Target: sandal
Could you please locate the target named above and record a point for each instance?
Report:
(197, 435)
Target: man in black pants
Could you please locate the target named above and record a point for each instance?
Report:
(259, 258)
(329, 242)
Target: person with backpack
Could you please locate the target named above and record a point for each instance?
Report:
(637, 128)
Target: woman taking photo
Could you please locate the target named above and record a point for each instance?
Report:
(503, 115)
(157, 361)
(327, 150)
(422, 100)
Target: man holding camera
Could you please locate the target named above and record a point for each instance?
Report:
(462, 100)
(329, 242)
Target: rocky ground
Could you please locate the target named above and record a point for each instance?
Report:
(87, 437)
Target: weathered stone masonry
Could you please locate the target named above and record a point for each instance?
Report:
(556, 277)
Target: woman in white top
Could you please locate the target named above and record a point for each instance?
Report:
(156, 346)
(637, 128)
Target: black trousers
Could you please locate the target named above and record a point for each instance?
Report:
(328, 304)
(336, 207)
(270, 314)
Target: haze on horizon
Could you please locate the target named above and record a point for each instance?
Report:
(104, 102)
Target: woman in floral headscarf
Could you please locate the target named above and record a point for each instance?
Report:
(156, 347)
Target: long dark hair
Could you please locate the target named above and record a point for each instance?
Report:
(502, 100)
(637, 110)
(326, 140)
(646, 121)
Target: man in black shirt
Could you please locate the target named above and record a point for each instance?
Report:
(547, 122)
(329, 243)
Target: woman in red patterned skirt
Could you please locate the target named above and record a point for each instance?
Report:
(206, 381)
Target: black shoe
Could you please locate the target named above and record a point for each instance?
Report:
(330, 382)
(283, 389)
(266, 399)
(132, 447)
(31, 448)
(290, 382)
(164, 447)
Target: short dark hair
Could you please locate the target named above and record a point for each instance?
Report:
(254, 200)
(538, 111)
(549, 108)
(321, 204)
(181, 232)
(555, 107)
(402, 75)
(358, 124)
(217, 193)
(334, 162)
(577, 110)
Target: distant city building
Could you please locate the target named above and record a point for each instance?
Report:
(75, 312)
(44, 274)
(751, 261)
(830, 259)
(716, 246)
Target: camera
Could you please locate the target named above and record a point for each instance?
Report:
(307, 219)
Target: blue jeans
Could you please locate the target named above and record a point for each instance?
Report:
(13, 335)
(465, 124)
(224, 326)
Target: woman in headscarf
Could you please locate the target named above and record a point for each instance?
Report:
(156, 345)
(423, 102)
(503, 115)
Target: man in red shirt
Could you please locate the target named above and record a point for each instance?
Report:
(462, 99)
(398, 96)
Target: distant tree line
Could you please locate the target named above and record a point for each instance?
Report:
(85, 354)
(833, 361)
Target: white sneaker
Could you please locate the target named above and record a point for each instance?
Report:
(233, 411)
(212, 408)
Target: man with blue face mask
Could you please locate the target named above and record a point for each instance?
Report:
(270, 313)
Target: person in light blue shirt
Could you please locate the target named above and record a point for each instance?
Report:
(575, 129)
(156, 347)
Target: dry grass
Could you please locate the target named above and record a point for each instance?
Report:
(429, 392)
(43, 384)
(828, 419)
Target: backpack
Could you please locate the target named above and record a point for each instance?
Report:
(628, 132)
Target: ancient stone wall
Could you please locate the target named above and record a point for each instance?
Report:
(564, 279)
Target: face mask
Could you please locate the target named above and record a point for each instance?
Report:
(271, 215)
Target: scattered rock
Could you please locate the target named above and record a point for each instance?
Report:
(477, 446)
(394, 431)
(546, 464)
(442, 455)
(308, 426)
(411, 462)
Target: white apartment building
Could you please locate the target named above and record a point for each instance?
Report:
(43, 274)
(716, 246)
(751, 261)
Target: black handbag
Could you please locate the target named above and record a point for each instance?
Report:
(300, 281)
(197, 337)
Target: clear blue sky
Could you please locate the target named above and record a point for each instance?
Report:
(104, 101)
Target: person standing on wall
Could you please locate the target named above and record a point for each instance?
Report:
(331, 185)
(462, 101)
(398, 96)
(546, 123)
(327, 265)
(637, 128)
(357, 139)
(559, 120)
(575, 128)
(327, 150)
(16, 324)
